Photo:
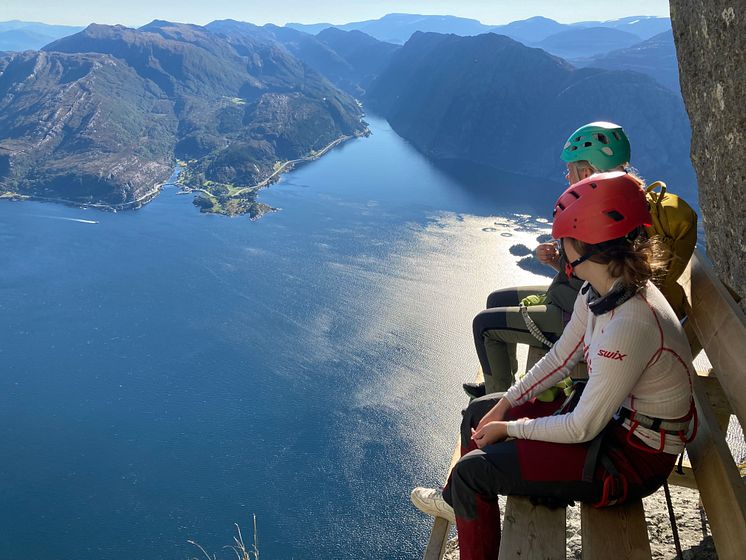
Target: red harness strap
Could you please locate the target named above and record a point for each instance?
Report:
(662, 426)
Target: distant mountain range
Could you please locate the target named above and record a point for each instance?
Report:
(492, 100)
(576, 40)
(655, 57)
(392, 28)
(398, 28)
(26, 35)
(99, 116)
(587, 41)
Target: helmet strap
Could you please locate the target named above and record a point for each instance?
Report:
(570, 266)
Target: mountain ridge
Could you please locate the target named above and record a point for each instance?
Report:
(232, 116)
(497, 102)
(398, 28)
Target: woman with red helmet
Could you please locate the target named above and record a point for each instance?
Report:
(617, 440)
(592, 148)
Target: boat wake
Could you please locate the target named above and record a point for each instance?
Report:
(79, 220)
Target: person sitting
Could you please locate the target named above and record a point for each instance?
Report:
(620, 439)
(592, 148)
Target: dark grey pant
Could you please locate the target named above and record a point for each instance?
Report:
(553, 471)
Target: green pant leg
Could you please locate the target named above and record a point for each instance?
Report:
(508, 328)
(510, 297)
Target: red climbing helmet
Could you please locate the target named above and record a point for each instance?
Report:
(602, 207)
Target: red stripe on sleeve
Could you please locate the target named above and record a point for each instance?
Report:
(555, 370)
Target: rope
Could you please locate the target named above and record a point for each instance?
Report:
(672, 516)
(533, 328)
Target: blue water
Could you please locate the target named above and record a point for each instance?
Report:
(167, 373)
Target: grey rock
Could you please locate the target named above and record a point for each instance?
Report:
(710, 38)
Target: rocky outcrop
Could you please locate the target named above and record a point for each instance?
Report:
(710, 40)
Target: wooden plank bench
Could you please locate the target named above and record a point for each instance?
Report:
(534, 533)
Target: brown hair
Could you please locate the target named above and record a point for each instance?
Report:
(634, 262)
(583, 164)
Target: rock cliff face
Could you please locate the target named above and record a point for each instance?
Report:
(710, 39)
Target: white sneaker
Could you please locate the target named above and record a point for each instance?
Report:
(431, 502)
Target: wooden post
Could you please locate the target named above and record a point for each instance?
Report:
(532, 532)
(618, 532)
(720, 326)
(436, 545)
(720, 485)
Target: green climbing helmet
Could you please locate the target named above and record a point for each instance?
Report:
(602, 144)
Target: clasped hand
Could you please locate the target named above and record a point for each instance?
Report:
(492, 428)
(490, 433)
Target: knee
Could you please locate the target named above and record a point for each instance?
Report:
(489, 319)
(502, 298)
(469, 467)
(477, 408)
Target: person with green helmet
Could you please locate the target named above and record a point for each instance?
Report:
(512, 313)
(602, 145)
(593, 148)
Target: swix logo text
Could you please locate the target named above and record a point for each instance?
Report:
(616, 355)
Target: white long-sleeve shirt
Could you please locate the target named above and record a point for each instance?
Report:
(638, 357)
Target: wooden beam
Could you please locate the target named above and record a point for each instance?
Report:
(688, 480)
(721, 488)
(436, 544)
(532, 532)
(685, 479)
(618, 532)
(716, 396)
(720, 326)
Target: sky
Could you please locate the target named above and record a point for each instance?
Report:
(138, 12)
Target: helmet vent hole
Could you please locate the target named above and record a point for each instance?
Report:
(579, 138)
(617, 135)
(602, 138)
(560, 206)
(614, 215)
(573, 148)
(573, 193)
(594, 185)
(587, 144)
(608, 151)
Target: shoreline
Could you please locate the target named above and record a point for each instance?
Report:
(184, 189)
(241, 201)
(131, 205)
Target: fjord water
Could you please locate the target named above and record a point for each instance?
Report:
(167, 373)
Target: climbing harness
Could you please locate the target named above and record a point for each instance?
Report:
(678, 427)
(533, 328)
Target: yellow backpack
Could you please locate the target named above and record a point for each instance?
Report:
(675, 223)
